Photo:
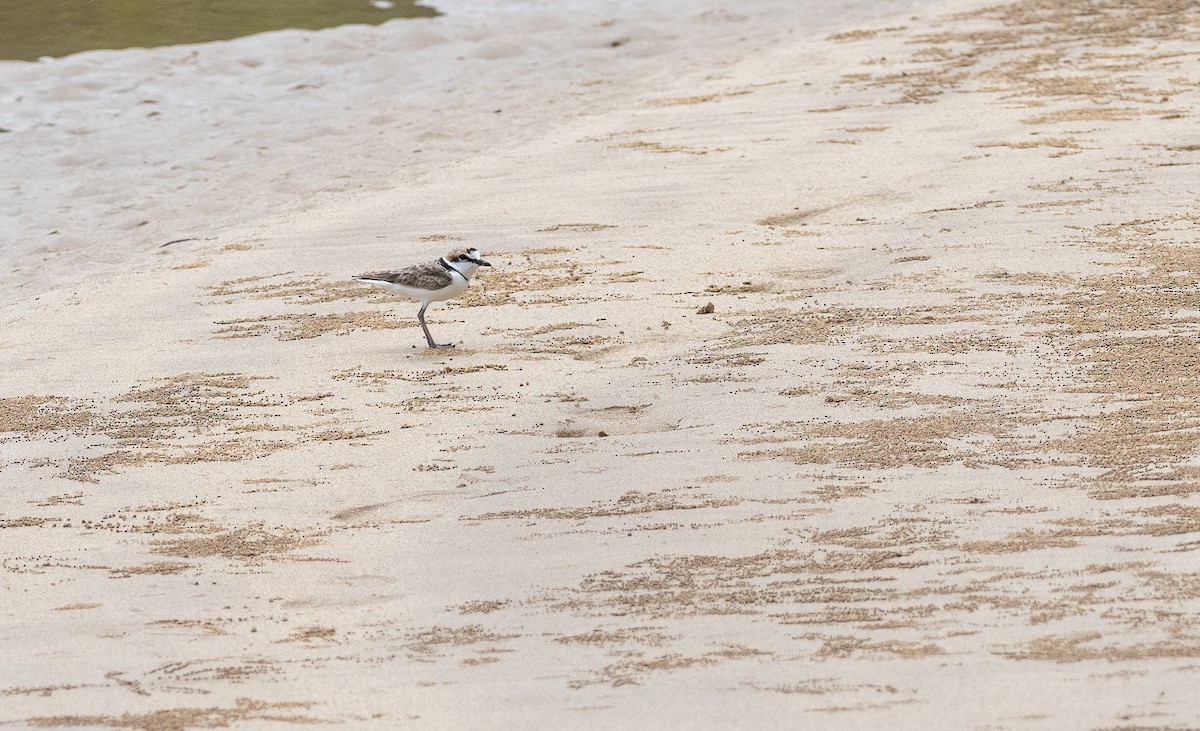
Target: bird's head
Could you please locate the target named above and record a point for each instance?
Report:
(466, 261)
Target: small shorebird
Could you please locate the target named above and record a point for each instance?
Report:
(438, 280)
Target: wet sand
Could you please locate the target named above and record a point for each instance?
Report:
(928, 460)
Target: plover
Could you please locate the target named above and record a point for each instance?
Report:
(438, 280)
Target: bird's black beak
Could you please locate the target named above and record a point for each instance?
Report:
(481, 262)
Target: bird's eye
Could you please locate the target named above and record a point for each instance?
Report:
(460, 257)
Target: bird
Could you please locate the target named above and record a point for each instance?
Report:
(441, 279)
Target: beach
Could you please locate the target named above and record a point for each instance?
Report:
(837, 368)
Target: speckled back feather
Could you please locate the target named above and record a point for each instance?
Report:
(421, 276)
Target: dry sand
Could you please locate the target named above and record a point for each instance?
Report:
(930, 461)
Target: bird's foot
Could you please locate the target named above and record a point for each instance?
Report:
(440, 346)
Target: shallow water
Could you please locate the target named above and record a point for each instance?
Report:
(30, 29)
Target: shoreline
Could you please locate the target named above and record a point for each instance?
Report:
(277, 123)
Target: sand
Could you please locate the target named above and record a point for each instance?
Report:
(838, 369)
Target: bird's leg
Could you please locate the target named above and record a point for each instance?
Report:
(428, 337)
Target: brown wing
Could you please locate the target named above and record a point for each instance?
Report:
(421, 276)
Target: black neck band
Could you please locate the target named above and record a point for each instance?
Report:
(453, 271)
